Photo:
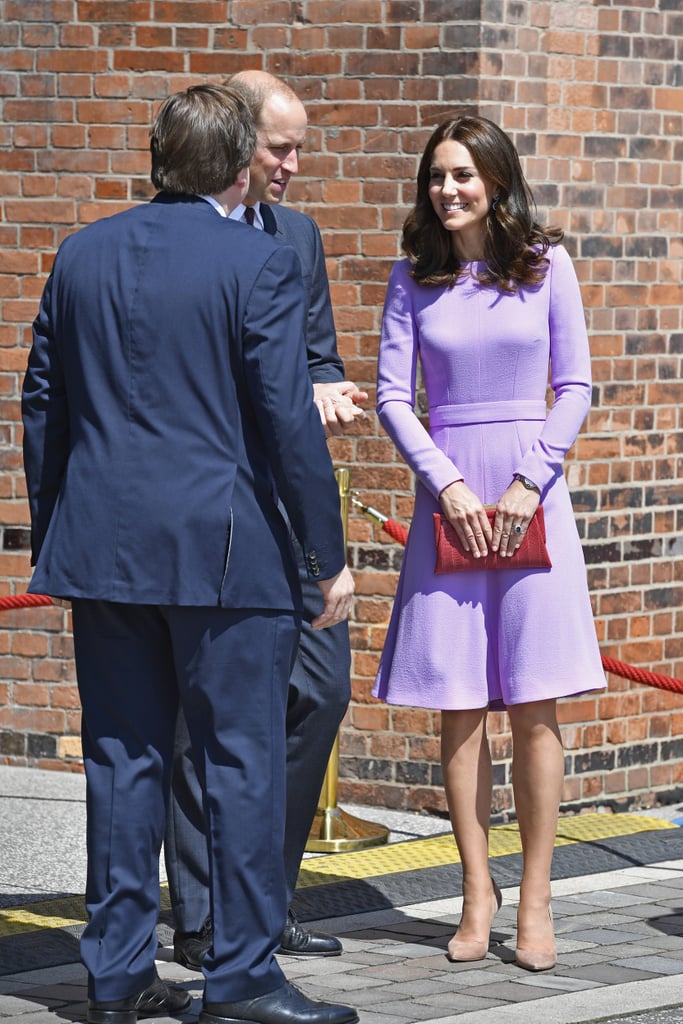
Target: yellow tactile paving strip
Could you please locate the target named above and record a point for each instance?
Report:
(412, 855)
(437, 851)
(61, 913)
(65, 912)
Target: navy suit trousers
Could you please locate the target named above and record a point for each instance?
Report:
(230, 669)
(318, 696)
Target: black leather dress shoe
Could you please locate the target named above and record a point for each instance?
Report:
(190, 948)
(286, 1005)
(299, 941)
(157, 1000)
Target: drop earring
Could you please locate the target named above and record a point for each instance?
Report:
(495, 202)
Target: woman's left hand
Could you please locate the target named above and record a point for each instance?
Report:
(514, 512)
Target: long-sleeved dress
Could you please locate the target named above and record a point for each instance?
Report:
(487, 637)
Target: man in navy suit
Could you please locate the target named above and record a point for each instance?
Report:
(319, 688)
(165, 405)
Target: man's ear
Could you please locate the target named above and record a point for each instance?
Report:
(242, 179)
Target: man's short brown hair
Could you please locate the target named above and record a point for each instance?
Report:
(201, 139)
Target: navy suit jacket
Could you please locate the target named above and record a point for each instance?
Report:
(165, 393)
(301, 232)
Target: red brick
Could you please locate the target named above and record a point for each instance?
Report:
(385, 745)
(340, 89)
(149, 60)
(38, 10)
(76, 35)
(412, 721)
(38, 111)
(591, 786)
(65, 697)
(111, 111)
(30, 695)
(370, 717)
(126, 11)
(115, 35)
(616, 782)
(198, 38)
(55, 211)
(32, 720)
(153, 35)
(51, 671)
(425, 749)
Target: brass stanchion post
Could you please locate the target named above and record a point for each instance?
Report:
(333, 829)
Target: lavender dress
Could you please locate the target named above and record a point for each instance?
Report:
(487, 638)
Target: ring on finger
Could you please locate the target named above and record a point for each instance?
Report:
(518, 528)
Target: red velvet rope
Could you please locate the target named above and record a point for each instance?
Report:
(396, 531)
(641, 675)
(400, 534)
(23, 601)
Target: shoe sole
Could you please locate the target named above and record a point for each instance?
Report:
(111, 1017)
(132, 1016)
(305, 952)
(212, 1018)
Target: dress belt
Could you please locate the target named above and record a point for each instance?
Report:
(485, 412)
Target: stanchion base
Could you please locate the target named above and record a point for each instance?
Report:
(336, 831)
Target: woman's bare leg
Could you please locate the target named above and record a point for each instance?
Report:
(467, 776)
(537, 774)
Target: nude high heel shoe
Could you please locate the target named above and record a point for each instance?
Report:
(542, 959)
(467, 950)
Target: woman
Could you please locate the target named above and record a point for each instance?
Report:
(487, 298)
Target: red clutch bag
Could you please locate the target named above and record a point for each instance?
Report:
(452, 557)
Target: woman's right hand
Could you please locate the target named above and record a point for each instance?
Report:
(467, 516)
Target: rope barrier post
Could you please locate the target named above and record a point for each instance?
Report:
(334, 830)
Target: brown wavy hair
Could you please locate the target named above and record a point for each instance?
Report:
(515, 244)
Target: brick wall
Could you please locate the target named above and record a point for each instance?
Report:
(590, 92)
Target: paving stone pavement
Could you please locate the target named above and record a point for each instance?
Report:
(619, 935)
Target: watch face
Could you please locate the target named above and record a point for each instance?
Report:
(526, 482)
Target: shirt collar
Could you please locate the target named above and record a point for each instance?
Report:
(216, 205)
(238, 214)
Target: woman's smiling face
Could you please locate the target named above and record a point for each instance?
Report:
(461, 197)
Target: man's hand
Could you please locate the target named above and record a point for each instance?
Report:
(339, 404)
(338, 595)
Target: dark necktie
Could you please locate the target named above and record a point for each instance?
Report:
(249, 214)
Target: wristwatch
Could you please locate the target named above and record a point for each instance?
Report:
(526, 482)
